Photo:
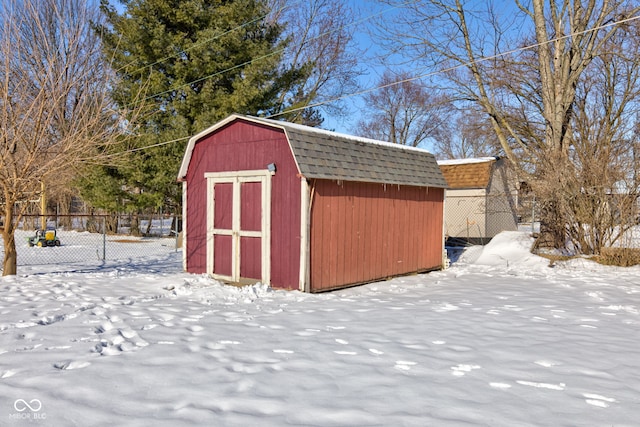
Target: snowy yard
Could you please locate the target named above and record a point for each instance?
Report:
(84, 250)
(499, 339)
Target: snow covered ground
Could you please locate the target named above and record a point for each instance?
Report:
(499, 339)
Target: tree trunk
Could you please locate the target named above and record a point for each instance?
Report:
(91, 225)
(111, 223)
(149, 224)
(552, 227)
(10, 262)
(134, 227)
(65, 210)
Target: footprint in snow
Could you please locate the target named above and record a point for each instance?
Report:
(124, 339)
(71, 364)
(598, 400)
(502, 386)
(307, 332)
(104, 327)
(546, 363)
(404, 365)
(23, 324)
(597, 295)
(48, 320)
(7, 374)
(559, 386)
(462, 369)
(446, 307)
(127, 333)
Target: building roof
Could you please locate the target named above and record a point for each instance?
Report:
(329, 155)
(467, 173)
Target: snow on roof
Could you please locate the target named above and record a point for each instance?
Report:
(467, 161)
(338, 134)
(325, 154)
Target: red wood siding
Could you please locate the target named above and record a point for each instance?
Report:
(363, 232)
(248, 146)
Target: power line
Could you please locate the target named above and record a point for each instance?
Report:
(455, 67)
(201, 42)
(276, 52)
(429, 74)
(159, 144)
(359, 21)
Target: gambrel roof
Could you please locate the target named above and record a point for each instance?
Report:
(330, 155)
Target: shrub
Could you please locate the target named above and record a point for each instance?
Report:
(622, 257)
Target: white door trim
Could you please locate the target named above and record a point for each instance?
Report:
(236, 178)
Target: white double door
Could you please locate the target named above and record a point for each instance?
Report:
(238, 224)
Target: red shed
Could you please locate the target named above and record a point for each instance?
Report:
(302, 208)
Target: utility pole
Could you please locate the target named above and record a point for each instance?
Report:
(43, 208)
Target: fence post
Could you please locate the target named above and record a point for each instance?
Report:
(104, 238)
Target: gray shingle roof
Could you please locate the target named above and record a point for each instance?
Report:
(328, 155)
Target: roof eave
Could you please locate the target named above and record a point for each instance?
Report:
(182, 173)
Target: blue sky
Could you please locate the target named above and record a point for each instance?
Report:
(369, 62)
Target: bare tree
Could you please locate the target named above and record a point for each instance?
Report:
(321, 44)
(56, 115)
(470, 135)
(523, 66)
(600, 197)
(404, 111)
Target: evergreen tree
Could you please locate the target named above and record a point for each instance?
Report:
(197, 61)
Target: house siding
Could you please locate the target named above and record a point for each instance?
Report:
(361, 232)
(465, 213)
(501, 201)
(481, 200)
(247, 146)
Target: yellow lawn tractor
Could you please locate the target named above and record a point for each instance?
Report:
(42, 238)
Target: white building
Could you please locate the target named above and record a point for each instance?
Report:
(481, 200)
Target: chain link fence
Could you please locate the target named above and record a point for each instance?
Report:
(472, 219)
(75, 241)
(476, 219)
